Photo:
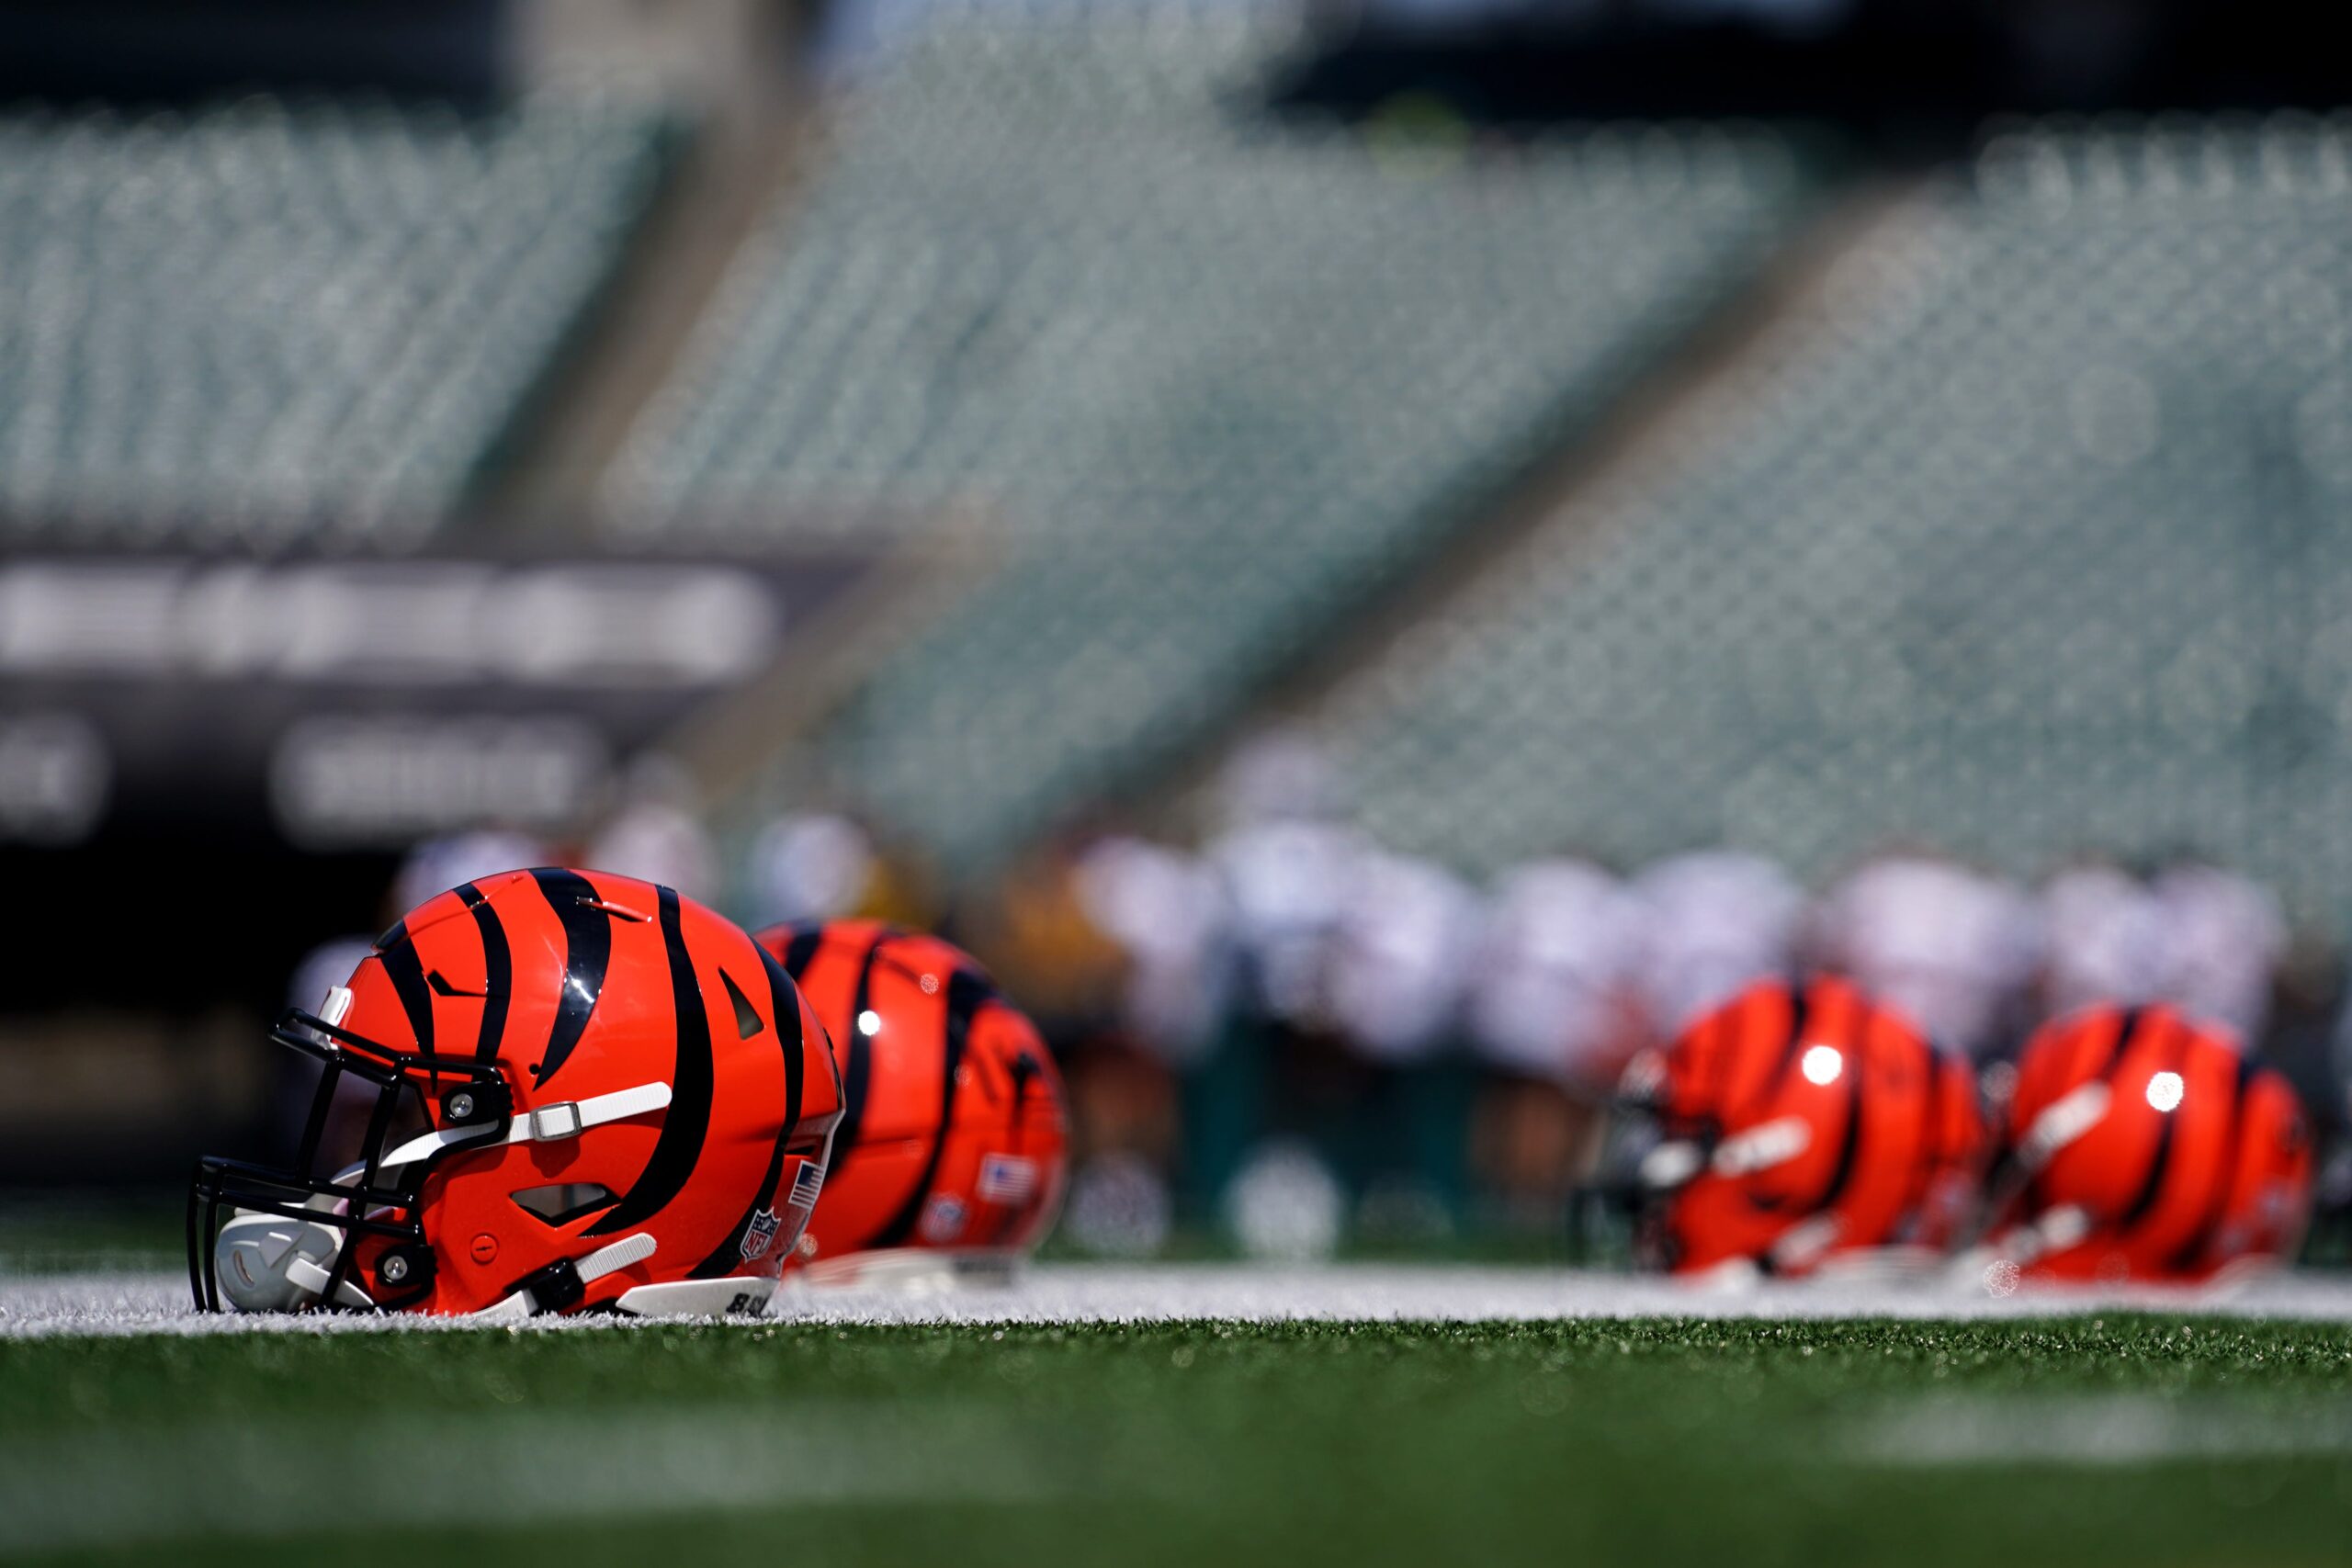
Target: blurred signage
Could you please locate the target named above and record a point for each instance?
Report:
(387, 623)
(54, 778)
(346, 702)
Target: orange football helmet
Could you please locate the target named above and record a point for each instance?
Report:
(587, 1091)
(1793, 1124)
(954, 1146)
(2145, 1146)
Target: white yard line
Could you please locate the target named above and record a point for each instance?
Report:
(34, 1308)
(2092, 1432)
(487, 1469)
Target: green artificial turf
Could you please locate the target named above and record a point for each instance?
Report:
(1635, 1442)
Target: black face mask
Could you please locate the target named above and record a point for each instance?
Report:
(1645, 1160)
(331, 1202)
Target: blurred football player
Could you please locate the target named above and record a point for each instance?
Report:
(1711, 922)
(2220, 939)
(1551, 996)
(1287, 859)
(1950, 946)
(1553, 1016)
(2102, 940)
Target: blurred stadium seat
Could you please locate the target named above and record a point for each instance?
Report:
(1212, 376)
(2034, 532)
(277, 318)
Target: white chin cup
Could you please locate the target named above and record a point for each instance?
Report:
(272, 1263)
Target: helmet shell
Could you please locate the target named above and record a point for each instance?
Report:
(577, 986)
(2148, 1147)
(1820, 1122)
(954, 1135)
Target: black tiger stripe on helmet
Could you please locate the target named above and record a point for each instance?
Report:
(784, 1002)
(687, 1122)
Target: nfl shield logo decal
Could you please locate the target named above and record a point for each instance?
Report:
(760, 1234)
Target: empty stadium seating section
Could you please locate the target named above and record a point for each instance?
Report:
(2032, 531)
(268, 319)
(1209, 375)
(2036, 537)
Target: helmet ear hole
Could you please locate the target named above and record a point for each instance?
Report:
(565, 1202)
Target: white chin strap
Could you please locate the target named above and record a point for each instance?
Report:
(2065, 1119)
(547, 1124)
(610, 1259)
(1759, 1148)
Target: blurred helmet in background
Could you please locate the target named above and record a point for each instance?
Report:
(2144, 1146)
(1792, 1125)
(954, 1145)
(587, 1092)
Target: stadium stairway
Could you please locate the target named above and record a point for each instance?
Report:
(743, 166)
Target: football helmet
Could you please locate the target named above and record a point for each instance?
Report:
(954, 1149)
(2139, 1145)
(1790, 1125)
(581, 1090)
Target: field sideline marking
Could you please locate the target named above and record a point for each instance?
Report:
(280, 1479)
(2096, 1432)
(1065, 1293)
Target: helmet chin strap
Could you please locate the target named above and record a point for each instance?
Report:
(545, 1124)
(560, 1283)
(2064, 1121)
(1759, 1148)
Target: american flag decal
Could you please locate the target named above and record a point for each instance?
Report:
(1007, 1178)
(806, 1184)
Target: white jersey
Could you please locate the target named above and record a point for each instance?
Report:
(1713, 923)
(436, 865)
(659, 842)
(1948, 947)
(1561, 941)
(2102, 940)
(809, 866)
(1288, 882)
(1167, 911)
(2221, 940)
(1402, 957)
